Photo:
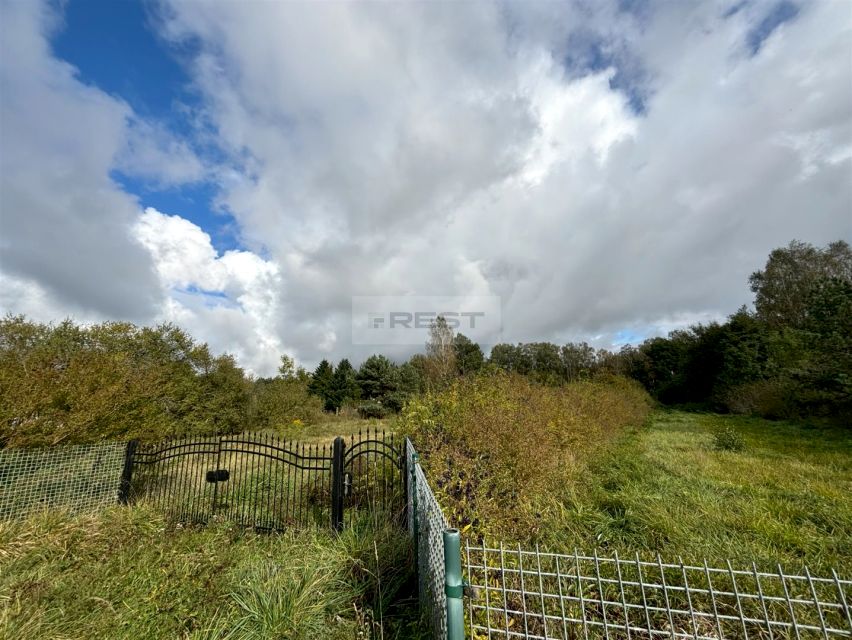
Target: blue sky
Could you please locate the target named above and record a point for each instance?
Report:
(114, 45)
(610, 170)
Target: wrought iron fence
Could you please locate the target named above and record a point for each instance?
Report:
(263, 481)
(373, 475)
(78, 477)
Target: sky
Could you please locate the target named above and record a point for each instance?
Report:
(609, 170)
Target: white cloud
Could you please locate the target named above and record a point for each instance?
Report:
(437, 149)
(230, 301)
(434, 149)
(63, 223)
(151, 152)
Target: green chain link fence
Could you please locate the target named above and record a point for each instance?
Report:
(79, 477)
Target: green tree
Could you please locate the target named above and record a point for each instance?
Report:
(513, 358)
(828, 335)
(469, 357)
(782, 288)
(321, 384)
(377, 379)
(343, 386)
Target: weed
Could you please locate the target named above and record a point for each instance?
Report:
(727, 439)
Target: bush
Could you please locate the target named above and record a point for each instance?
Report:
(279, 402)
(372, 409)
(728, 439)
(498, 443)
(766, 398)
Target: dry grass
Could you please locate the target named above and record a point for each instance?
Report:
(493, 443)
(126, 573)
(328, 427)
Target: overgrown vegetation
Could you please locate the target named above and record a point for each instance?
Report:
(68, 384)
(584, 466)
(666, 487)
(494, 444)
(125, 573)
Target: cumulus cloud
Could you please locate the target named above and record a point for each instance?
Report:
(454, 149)
(229, 301)
(610, 170)
(63, 223)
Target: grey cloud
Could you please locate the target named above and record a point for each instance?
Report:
(391, 148)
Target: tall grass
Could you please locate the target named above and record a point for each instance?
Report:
(587, 467)
(493, 444)
(668, 488)
(126, 573)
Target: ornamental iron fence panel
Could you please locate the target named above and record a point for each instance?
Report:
(265, 482)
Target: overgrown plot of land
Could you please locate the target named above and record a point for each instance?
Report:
(668, 487)
(126, 574)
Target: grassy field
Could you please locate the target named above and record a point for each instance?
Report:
(331, 426)
(126, 574)
(665, 487)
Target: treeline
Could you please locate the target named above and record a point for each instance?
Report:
(790, 357)
(65, 383)
(380, 387)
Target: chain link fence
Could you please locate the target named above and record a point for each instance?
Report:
(79, 477)
(426, 524)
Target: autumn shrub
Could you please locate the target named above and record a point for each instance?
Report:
(495, 444)
(70, 384)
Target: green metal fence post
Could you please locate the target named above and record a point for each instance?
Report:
(453, 586)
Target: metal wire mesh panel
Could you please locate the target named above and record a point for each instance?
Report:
(427, 524)
(79, 477)
(532, 594)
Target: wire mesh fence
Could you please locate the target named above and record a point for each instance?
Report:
(515, 593)
(426, 525)
(78, 477)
